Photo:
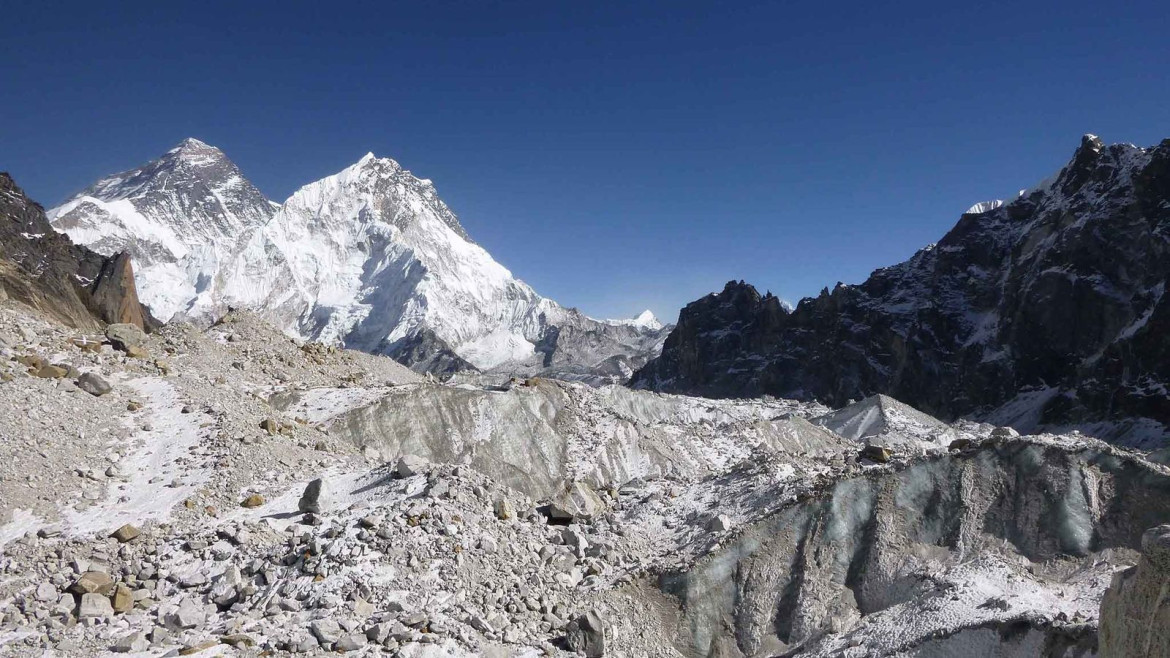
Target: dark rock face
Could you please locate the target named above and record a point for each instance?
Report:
(424, 352)
(1047, 310)
(46, 271)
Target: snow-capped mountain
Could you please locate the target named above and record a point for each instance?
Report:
(1042, 311)
(181, 217)
(370, 258)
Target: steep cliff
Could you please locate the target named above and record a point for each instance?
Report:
(46, 271)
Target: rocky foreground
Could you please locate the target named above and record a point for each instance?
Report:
(231, 491)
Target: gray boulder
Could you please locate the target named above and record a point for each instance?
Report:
(315, 498)
(586, 635)
(125, 336)
(410, 465)
(327, 631)
(94, 384)
(94, 605)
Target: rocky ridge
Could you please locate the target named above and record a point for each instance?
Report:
(45, 270)
(1045, 311)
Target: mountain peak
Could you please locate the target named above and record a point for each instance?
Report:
(192, 143)
(180, 216)
(194, 152)
(644, 320)
(369, 165)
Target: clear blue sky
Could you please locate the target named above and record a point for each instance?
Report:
(614, 155)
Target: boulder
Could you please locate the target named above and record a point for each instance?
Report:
(189, 614)
(410, 465)
(122, 599)
(315, 498)
(126, 533)
(327, 631)
(578, 500)
(93, 582)
(114, 296)
(351, 642)
(124, 336)
(46, 592)
(586, 635)
(94, 605)
(94, 384)
(132, 643)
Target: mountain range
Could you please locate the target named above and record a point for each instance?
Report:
(1043, 311)
(370, 258)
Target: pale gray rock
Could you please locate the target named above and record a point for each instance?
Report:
(327, 631)
(135, 642)
(411, 465)
(46, 592)
(94, 605)
(188, 615)
(586, 635)
(350, 642)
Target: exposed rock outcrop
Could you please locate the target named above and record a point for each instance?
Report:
(1135, 612)
(1044, 311)
(46, 271)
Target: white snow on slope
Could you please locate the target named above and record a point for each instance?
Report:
(984, 206)
(151, 485)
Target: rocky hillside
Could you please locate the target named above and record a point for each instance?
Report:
(370, 258)
(1043, 311)
(46, 271)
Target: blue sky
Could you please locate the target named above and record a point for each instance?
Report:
(614, 155)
